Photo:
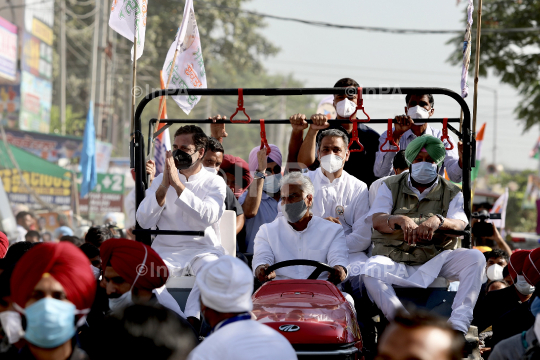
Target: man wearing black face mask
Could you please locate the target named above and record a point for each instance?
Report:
(412, 255)
(189, 198)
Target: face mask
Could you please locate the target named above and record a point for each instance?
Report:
(182, 159)
(495, 272)
(272, 184)
(331, 163)
(418, 112)
(523, 286)
(12, 325)
(213, 170)
(121, 302)
(50, 322)
(345, 108)
(424, 172)
(535, 307)
(96, 272)
(295, 211)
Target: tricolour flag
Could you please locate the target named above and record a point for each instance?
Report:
(500, 208)
(163, 141)
(88, 156)
(479, 142)
(188, 72)
(128, 17)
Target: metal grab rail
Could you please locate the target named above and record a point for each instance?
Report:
(467, 135)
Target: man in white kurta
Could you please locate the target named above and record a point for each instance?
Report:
(191, 199)
(408, 128)
(340, 197)
(299, 235)
(226, 286)
(424, 154)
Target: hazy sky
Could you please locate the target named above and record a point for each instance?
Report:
(321, 55)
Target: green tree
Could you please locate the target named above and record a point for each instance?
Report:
(75, 121)
(514, 56)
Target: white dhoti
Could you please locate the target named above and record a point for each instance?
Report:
(465, 265)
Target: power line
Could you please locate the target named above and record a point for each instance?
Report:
(370, 28)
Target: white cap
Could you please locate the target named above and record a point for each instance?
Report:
(226, 285)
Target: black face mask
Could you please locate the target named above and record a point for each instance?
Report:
(182, 159)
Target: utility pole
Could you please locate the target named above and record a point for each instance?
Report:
(102, 69)
(495, 113)
(95, 46)
(63, 67)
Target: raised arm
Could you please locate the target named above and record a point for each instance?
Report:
(217, 131)
(306, 155)
(254, 193)
(299, 124)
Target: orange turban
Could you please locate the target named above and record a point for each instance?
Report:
(127, 258)
(65, 263)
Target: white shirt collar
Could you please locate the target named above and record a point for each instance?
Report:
(325, 180)
(429, 131)
(201, 174)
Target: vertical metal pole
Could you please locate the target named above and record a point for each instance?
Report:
(102, 72)
(94, 58)
(63, 67)
(496, 100)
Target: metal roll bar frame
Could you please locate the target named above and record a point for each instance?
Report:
(137, 146)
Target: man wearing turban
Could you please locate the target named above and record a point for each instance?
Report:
(226, 286)
(134, 273)
(53, 286)
(407, 211)
(409, 127)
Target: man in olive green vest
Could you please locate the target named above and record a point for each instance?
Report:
(407, 211)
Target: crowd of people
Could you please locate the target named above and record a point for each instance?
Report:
(379, 219)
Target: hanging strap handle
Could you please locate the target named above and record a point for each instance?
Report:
(240, 108)
(389, 139)
(354, 137)
(264, 142)
(359, 106)
(445, 134)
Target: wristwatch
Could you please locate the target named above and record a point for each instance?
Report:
(259, 175)
(440, 218)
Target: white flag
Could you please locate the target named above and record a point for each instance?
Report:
(500, 208)
(128, 17)
(188, 71)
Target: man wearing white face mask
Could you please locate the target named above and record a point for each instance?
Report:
(407, 128)
(298, 234)
(260, 201)
(497, 303)
(340, 197)
(412, 255)
(360, 165)
(212, 160)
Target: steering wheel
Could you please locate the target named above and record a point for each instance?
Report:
(319, 267)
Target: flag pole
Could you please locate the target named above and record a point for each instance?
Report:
(134, 83)
(477, 63)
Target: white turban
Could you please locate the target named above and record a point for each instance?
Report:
(226, 285)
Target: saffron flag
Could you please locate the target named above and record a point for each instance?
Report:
(128, 17)
(188, 71)
(163, 141)
(479, 142)
(88, 155)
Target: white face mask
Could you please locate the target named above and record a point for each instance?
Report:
(272, 184)
(345, 108)
(418, 112)
(523, 286)
(495, 272)
(331, 163)
(121, 302)
(95, 271)
(12, 325)
(213, 170)
(424, 172)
